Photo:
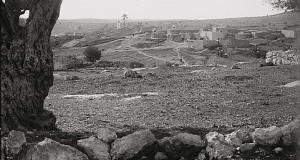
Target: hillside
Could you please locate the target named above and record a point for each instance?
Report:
(90, 25)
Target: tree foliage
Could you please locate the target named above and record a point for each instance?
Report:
(124, 17)
(92, 54)
(285, 4)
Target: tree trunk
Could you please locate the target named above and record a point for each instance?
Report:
(27, 65)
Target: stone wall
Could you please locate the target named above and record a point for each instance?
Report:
(291, 57)
(106, 145)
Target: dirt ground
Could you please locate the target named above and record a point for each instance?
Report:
(212, 97)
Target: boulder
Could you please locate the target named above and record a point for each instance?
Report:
(220, 150)
(233, 139)
(95, 148)
(106, 135)
(244, 135)
(15, 141)
(52, 150)
(267, 136)
(3, 148)
(181, 145)
(132, 74)
(134, 146)
(161, 156)
(247, 147)
(201, 155)
(278, 150)
(289, 136)
(212, 137)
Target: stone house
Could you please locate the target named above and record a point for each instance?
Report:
(288, 33)
(210, 35)
(236, 43)
(220, 29)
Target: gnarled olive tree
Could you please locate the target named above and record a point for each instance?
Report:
(26, 63)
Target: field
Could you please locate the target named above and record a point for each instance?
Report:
(199, 94)
(221, 98)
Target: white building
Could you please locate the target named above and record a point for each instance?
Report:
(288, 33)
(220, 29)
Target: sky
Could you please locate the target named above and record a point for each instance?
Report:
(164, 9)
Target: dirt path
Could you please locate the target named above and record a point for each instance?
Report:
(140, 51)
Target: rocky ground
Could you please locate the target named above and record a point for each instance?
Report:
(210, 97)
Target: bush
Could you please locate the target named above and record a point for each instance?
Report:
(71, 62)
(92, 54)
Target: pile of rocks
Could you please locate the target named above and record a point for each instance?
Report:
(143, 145)
(291, 57)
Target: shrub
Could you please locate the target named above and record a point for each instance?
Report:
(92, 54)
(71, 62)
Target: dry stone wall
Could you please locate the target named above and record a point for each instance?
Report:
(143, 145)
(291, 57)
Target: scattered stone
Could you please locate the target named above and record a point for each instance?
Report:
(160, 156)
(52, 150)
(106, 135)
(132, 98)
(267, 64)
(220, 150)
(181, 145)
(71, 77)
(199, 71)
(247, 147)
(292, 84)
(267, 136)
(133, 146)
(278, 150)
(150, 74)
(235, 66)
(131, 74)
(15, 141)
(212, 137)
(289, 136)
(95, 148)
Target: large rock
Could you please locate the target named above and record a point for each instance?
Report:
(95, 148)
(182, 144)
(106, 135)
(3, 148)
(132, 74)
(233, 140)
(289, 132)
(244, 135)
(267, 136)
(212, 137)
(133, 146)
(247, 147)
(160, 156)
(52, 150)
(220, 150)
(15, 141)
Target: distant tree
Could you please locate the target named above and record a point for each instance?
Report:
(292, 5)
(124, 17)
